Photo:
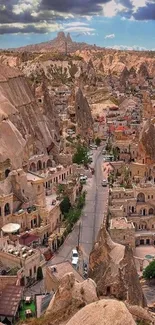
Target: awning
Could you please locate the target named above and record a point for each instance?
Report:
(10, 228)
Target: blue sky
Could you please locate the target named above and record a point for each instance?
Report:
(125, 24)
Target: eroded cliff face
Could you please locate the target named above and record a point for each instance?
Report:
(83, 115)
(26, 128)
(147, 140)
(113, 269)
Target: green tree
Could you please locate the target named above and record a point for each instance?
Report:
(98, 141)
(39, 274)
(149, 271)
(81, 155)
(65, 205)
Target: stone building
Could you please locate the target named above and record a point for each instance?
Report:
(137, 205)
(122, 231)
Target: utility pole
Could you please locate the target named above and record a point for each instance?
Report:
(79, 234)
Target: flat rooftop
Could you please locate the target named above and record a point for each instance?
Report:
(10, 298)
(64, 268)
(121, 223)
(31, 177)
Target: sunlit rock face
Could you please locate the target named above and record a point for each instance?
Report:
(147, 141)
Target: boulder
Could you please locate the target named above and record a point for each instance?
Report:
(70, 297)
(103, 312)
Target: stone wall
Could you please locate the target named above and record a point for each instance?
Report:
(123, 236)
(7, 280)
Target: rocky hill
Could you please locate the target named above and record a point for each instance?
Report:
(62, 43)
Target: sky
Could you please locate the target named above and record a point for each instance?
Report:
(119, 24)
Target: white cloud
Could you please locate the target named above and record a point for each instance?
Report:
(40, 25)
(79, 29)
(128, 48)
(139, 3)
(75, 24)
(111, 8)
(26, 5)
(110, 36)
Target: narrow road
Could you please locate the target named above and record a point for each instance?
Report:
(91, 219)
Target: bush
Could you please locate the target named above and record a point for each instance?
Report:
(39, 274)
(98, 141)
(65, 205)
(149, 272)
(81, 155)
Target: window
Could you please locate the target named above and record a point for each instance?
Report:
(38, 188)
(148, 196)
(35, 269)
(30, 272)
(124, 237)
(151, 196)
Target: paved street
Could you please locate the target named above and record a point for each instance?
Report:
(91, 218)
(90, 221)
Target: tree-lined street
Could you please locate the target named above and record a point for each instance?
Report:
(92, 217)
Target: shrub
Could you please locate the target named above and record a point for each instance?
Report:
(149, 271)
(81, 155)
(65, 205)
(98, 141)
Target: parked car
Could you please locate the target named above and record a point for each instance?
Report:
(75, 258)
(83, 177)
(104, 182)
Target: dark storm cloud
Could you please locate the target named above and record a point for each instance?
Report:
(146, 13)
(79, 7)
(26, 29)
(126, 3)
(50, 11)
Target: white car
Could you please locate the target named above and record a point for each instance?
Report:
(75, 258)
(104, 182)
(83, 177)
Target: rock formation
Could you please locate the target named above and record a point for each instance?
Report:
(70, 297)
(103, 312)
(22, 118)
(147, 140)
(113, 269)
(83, 115)
(147, 105)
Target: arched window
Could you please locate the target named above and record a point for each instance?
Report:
(141, 197)
(49, 163)
(7, 209)
(151, 211)
(33, 167)
(39, 165)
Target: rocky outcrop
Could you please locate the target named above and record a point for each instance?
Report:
(113, 269)
(70, 297)
(21, 118)
(103, 312)
(146, 140)
(141, 314)
(83, 115)
(147, 105)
